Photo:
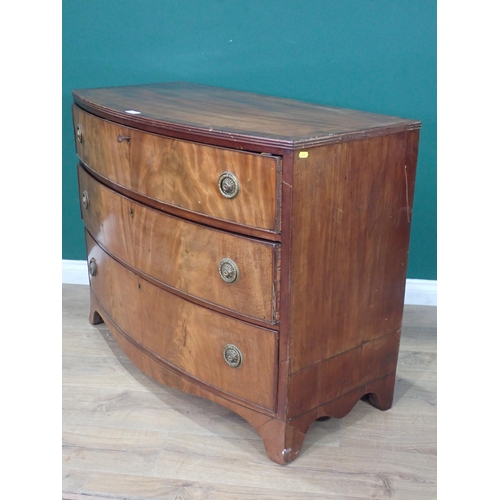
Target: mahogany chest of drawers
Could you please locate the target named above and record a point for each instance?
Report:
(248, 249)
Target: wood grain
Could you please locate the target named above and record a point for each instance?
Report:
(99, 146)
(127, 437)
(351, 218)
(187, 336)
(230, 117)
(342, 193)
(342, 373)
(191, 352)
(182, 254)
(182, 174)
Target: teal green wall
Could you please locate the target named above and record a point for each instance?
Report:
(372, 55)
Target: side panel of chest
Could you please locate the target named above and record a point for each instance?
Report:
(349, 250)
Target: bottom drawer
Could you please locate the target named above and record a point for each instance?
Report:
(198, 341)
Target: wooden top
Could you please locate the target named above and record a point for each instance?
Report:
(230, 117)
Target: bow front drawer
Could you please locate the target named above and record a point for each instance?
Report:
(234, 272)
(219, 183)
(235, 357)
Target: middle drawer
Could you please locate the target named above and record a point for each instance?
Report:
(235, 272)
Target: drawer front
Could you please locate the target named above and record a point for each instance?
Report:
(183, 174)
(182, 254)
(186, 335)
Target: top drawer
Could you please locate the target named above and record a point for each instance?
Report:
(220, 183)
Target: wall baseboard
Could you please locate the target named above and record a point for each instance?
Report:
(74, 272)
(421, 292)
(418, 292)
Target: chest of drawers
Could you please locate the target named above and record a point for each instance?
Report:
(248, 249)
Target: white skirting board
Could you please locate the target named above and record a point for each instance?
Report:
(421, 292)
(418, 292)
(74, 272)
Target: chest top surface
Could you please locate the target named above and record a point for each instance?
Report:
(240, 117)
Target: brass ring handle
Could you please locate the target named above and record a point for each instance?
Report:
(79, 133)
(123, 138)
(228, 270)
(228, 185)
(85, 200)
(232, 356)
(93, 267)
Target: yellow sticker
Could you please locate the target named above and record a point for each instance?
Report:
(303, 154)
